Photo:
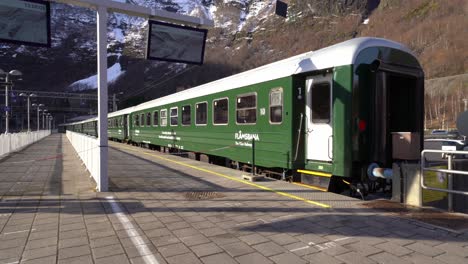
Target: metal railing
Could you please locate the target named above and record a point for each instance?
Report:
(449, 171)
(14, 141)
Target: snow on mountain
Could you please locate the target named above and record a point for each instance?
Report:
(113, 74)
(257, 11)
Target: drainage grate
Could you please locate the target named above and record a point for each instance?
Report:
(203, 195)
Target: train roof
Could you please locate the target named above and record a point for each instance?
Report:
(80, 122)
(340, 54)
(121, 112)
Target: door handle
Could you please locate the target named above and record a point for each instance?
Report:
(330, 156)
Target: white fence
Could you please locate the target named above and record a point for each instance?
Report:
(14, 141)
(88, 150)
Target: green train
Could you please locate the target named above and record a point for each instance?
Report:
(319, 117)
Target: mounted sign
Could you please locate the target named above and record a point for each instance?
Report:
(174, 43)
(25, 22)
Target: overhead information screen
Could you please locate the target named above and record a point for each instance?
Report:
(168, 42)
(25, 22)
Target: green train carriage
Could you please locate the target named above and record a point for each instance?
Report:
(323, 114)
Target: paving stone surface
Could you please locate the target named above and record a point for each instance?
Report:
(50, 213)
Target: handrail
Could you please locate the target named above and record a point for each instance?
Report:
(448, 171)
(298, 136)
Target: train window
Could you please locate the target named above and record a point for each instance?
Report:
(148, 119)
(246, 112)
(276, 106)
(174, 116)
(220, 111)
(186, 115)
(164, 117)
(155, 118)
(142, 119)
(201, 113)
(321, 103)
(137, 120)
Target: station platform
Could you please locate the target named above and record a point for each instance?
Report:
(167, 209)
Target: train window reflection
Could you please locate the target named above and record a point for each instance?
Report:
(174, 116)
(186, 115)
(164, 117)
(201, 113)
(148, 119)
(321, 103)
(246, 112)
(155, 118)
(220, 111)
(276, 105)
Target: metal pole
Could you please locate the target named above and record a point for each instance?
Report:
(38, 119)
(43, 120)
(29, 126)
(253, 156)
(7, 80)
(102, 97)
(450, 183)
(114, 103)
(466, 104)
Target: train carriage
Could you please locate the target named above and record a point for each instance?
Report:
(323, 114)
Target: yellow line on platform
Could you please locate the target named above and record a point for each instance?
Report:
(292, 196)
(316, 173)
(310, 187)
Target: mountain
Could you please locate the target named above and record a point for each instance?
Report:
(247, 34)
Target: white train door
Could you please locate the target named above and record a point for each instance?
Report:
(319, 123)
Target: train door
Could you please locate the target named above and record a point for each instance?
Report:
(319, 121)
(128, 127)
(125, 126)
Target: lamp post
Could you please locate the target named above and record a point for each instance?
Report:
(38, 106)
(8, 83)
(29, 104)
(48, 117)
(114, 101)
(43, 118)
(50, 122)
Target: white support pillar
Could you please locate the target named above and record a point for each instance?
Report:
(102, 185)
(7, 111)
(29, 117)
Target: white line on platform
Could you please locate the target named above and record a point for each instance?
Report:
(322, 246)
(301, 248)
(22, 231)
(341, 239)
(137, 240)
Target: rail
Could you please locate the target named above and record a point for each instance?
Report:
(88, 151)
(449, 171)
(14, 141)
